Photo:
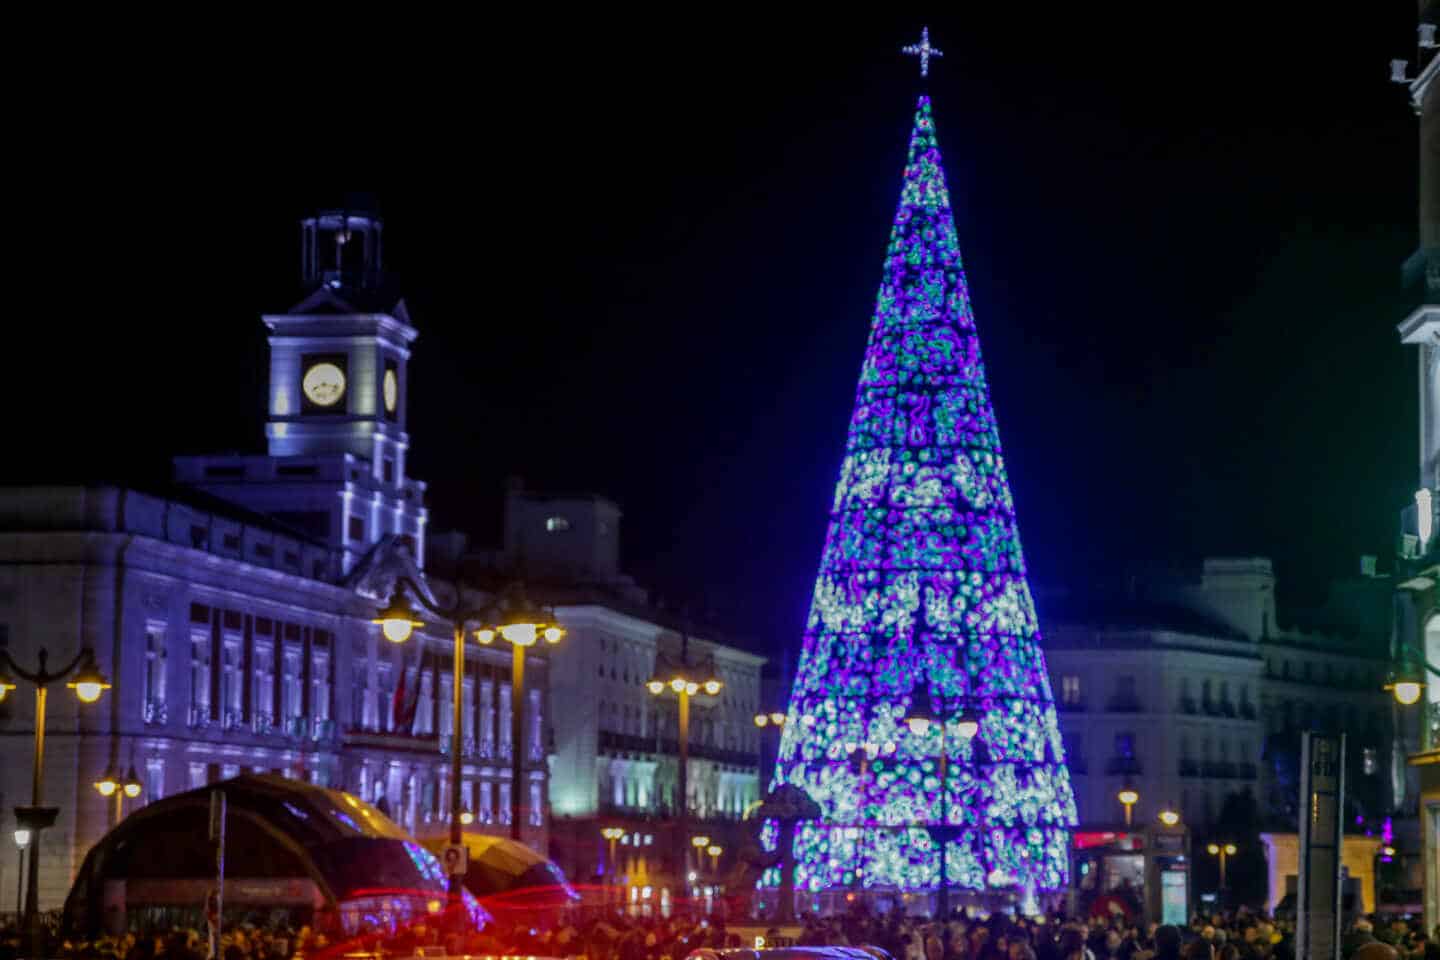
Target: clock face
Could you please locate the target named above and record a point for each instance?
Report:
(324, 384)
(390, 389)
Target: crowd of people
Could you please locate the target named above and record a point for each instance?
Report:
(1241, 935)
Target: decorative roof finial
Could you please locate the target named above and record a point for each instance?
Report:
(923, 50)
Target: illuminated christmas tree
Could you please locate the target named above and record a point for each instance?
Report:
(921, 605)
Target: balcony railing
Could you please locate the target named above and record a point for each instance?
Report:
(262, 724)
(631, 743)
(1123, 704)
(155, 712)
(199, 716)
(297, 727)
(232, 720)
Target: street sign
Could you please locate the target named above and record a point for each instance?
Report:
(1322, 805)
(456, 859)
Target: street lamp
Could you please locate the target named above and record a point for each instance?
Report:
(685, 680)
(612, 834)
(920, 718)
(1169, 817)
(1407, 680)
(1129, 798)
(22, 840)
(88, 683)
(714, 850)
(111, 785)
(1222, 851)
(518, 623)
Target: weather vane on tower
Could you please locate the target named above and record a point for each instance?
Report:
(923, 50)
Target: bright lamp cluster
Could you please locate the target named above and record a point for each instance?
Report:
(922, 588)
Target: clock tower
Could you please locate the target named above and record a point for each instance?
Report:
(337, 443)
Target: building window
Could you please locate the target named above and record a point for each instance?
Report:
(320, 685)
(198, 777)
(1070, 689)
(290, 683)
(1125, 745)
(229, 771)
(155, 673)
(556, 524)
(154, 779)
(1371, 761)
(357, 528)
(199, 679)
(263, 698)
(231, 682)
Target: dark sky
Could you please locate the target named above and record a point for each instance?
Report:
(643, 255)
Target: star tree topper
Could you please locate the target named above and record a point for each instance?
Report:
(923, 50)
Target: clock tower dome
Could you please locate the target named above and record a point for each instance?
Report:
(336, 426)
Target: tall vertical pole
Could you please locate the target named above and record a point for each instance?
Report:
(1222, 872)
(517, 740)
(32, 862)
(37, 773)
(682, 814)
(942, 898)
(456, 746)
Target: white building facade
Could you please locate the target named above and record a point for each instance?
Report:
(234, 617)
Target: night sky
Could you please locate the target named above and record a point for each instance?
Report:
(643, 262)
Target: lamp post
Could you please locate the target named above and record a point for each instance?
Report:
(765, 722)
(1407, 678)
(1128, 797)
(88, 683)
(714, 850)
(113, 786)
(22, 840)
(683, 680)
(515, 621)
(611, 834)
(921, 716)
(1169, 817)
(1221, 850)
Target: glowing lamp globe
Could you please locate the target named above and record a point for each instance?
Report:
(714, 850)
(89, 682)
(1169, 817)
(1407, 692)
(761, 719)
(1212, 849)
(701, 841)
(22, 838)
(485, 636)
(692, 688)
(397, 619)
(712, 687)
(107, 785)
(466, 817)
(918, 725)
(7, 683)
(1230, 848)
(1128, 796)
(612, 833)
(777, 718)
(967, 726)
(520, 634)
(131, 785)
(678, 684)
(656, 687)
(553, 634)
